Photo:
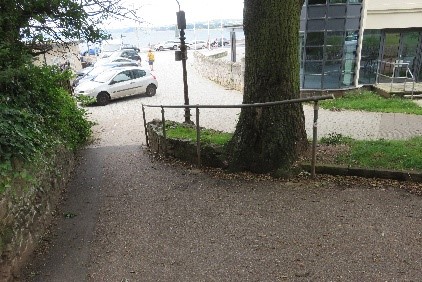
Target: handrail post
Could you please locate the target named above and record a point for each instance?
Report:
(163, 119)
(198, 138)
(314, 138)
(145, 125)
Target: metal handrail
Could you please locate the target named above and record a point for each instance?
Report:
(397, 64)
(254, 105)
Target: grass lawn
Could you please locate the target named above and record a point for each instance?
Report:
(387, 154)
(371, 102)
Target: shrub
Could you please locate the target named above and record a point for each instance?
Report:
(37, 114)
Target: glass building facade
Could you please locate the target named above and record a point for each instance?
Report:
(329, 45)
(329, 31)
(381, 48)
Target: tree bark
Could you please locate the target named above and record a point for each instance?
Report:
(270, 138)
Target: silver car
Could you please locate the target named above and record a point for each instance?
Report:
(117, 83)
(169, 44)
(197, 44)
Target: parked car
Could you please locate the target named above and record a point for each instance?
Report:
(218, 42)
(169, 44)
(83, 71)
(197, 44)
(119, 82)
(128, 46)
(110, 60)
(94, 71)
(127, 53)
(91, 51)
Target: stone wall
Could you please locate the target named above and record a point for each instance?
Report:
(217, 68)
(185, 150)
(26, 210)
(60, 54)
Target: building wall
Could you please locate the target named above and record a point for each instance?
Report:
(384, 14)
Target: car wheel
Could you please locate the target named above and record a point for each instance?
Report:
(151, 90)
(161, 48)
(225, 43)
(187, 48)
(103, 98)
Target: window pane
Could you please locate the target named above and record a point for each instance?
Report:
(352, 23)
(335, 38)
(312, 82)
(332, 66)
(410, 43)
(333, 52)
(354, 10)
(313, 68)
(336, 24)
(391, 48)
(316, 12)
(332, 80)
(337, 11)
(314, 53)
(315, 38)
(316, 25)
(370, 52)
(337, 1)
(316, 2)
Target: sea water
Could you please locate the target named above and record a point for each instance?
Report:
(147, 38)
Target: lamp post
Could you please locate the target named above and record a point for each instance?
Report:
(182, 56)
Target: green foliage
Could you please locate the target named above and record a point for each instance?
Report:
(335, 139)
(6, 175)
(31, 26)
(388, 154)
(208, 136)
(86, 100)
(371, 102)
(36, 115)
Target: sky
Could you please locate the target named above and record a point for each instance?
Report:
(163, 12)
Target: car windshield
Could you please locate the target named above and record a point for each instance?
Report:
(116, 54)
(96, 71)
(105, 76)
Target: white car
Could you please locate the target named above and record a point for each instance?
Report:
(124, 55)
(198, 44)
(117, 83)
(169, 44)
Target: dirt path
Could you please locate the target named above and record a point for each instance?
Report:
(138, 219)
(128, 217)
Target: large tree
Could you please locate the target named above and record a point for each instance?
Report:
(270, 138)
(31, 26)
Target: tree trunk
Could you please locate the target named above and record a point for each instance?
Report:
(270, 138)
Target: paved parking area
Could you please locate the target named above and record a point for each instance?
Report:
(123, 114)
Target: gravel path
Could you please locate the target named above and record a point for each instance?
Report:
(142, 219)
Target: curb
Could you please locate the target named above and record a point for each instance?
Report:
(365, 172)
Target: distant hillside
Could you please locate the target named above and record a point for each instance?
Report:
(213, 24)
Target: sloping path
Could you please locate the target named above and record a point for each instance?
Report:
(130, 217)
